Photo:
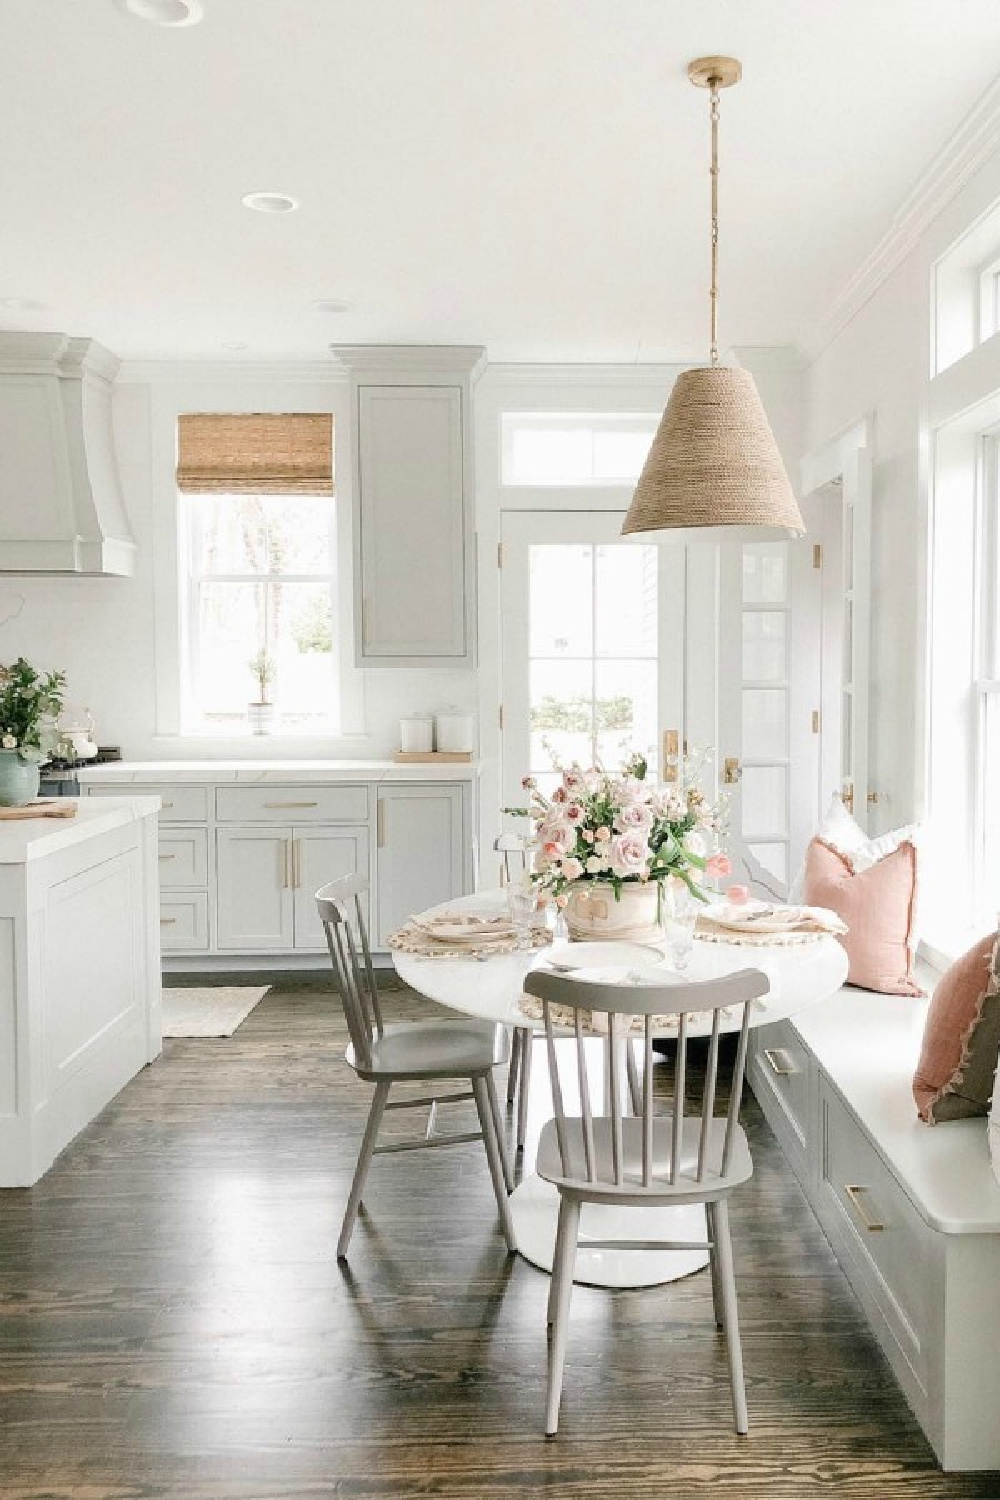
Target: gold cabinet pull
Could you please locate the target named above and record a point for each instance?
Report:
(671, 747)
(296, 876)
(165, 805)
(847, 797)
(732, 770)
(380, 824)
(164, 857)
(285, 851)
(291, 804)
(167, 921)
(775, 1055)
(854, 1191)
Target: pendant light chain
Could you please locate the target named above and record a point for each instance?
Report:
(714, 293)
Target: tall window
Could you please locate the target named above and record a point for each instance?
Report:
(258, 543)
(987, 687)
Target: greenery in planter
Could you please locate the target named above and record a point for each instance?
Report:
(27, 699)
(262, 667)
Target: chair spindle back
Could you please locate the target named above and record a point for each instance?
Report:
(340, 910)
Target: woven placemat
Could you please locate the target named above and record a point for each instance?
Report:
(708, 934)
(414, 940)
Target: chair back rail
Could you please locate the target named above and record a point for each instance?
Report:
(513, 849)
(621, 1003)
(340, 911)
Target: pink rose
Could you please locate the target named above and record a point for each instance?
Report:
(528, 783)
(634, 817)
(602, 835)
(572, 869)
(739, 895)
(560, 794)
(588, 837)
(573, 779)
(629, 855)
(718, 865)
(573, 813)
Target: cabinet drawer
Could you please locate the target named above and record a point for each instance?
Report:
(178, 804)
(782, 1070)
(184, 922)
(291, 804)
(183, 858)
(888, 1242)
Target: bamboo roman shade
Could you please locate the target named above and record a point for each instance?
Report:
(255, 453)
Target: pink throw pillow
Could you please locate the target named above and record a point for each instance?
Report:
(877, 904)
(958, 1058)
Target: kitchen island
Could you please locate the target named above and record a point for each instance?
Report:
(79, 972)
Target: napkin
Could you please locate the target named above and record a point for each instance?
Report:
(756, 916)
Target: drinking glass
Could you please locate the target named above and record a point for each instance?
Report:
(680, 913)
(522, 901)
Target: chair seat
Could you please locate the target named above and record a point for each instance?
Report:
(549, 1164)
(434, 1049)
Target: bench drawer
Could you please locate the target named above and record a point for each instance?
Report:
(291, 804)
(183, 858)
(888, 1243)
(782, 1070)
(178, 804)
(184, 922)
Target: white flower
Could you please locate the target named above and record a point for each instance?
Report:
(634, 817)
(673, 806)
(695, 843)
(573, 779)
(572, 869)
(595, 865)
(9, 742)
(629, 855)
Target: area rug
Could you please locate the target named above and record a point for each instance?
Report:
(215, 1010)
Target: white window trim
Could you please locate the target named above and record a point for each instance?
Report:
(189, 391)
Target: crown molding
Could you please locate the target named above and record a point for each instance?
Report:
(967, 149)
(230, 372)
(466, 359)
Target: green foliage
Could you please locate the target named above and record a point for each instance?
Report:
(262, 667)
(572, 715)
(26, 699)
(312, 631)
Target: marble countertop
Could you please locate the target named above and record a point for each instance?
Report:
(28, 839)
(142, 772)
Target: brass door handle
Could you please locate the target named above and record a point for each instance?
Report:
(671, 748)
(163, 857)
(285, 853)
(773, 1054)
(732, 770)
(854, 1191)
(380, 824)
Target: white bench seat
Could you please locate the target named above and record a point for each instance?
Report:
(912, 1211)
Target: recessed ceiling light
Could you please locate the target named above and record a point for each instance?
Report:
(332, 305)
(163, 12)
(22, 304)
(235, 348)
(269, 203)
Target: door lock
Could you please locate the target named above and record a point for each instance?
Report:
(732, 770)
(671, 746)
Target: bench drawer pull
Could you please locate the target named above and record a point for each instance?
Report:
(167, 921)
(780, 1062)
(854, 1191)
(291, 804)
(164, 857)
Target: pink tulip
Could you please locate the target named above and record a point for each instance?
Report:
(718, 866)
(738, 894)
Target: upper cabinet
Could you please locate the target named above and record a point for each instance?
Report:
(414, 537)
(61, 506)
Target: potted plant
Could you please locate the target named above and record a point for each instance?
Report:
(608, 845)
(29, 706)
(260, 714)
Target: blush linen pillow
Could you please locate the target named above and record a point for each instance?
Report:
(958, 1059)
(877, 903)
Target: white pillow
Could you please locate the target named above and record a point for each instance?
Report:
(843, 833)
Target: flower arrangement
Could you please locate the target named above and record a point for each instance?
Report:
(262, 668)
(618, 829)
(26, 699)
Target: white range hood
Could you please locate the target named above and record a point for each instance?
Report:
(61, 505)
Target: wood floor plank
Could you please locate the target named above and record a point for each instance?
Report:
(173, 1320)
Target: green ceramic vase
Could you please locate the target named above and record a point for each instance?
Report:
(18, 779)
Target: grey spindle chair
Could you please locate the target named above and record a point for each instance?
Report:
(513, 851)
(416, 1051)
(645, 1159)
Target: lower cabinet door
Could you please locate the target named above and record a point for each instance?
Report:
(184, 921)
(421, 855)
(256, 905)
(319, 856)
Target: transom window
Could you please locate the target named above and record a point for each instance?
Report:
(574, 448)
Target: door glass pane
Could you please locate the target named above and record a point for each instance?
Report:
(765, 801)
(232, 628)
(846, 757)
(764, 649)
(562, 714)
(561, 604)
(765, 723)
(765, 573)
(774, 858)
(625, 588)
(625, 710)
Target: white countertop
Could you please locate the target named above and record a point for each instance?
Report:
(29, 839)
(142, 772)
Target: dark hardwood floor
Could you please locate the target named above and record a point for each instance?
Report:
(173, 1320)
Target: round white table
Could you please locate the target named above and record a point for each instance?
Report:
(800, 975)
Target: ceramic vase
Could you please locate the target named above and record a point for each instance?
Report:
(18, 779)
(594, 916)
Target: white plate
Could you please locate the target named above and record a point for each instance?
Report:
(569, 956)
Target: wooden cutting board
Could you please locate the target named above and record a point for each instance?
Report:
(58, 807)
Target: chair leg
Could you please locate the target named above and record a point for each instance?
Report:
(361, 1170)
(498, 1128)
(728, 1284)
(481, 1093)
(524, 1088)
(562, 1271)
(557, 1254)
(516, 1043)
(713, 1261)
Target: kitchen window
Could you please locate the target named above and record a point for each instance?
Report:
(259, 596)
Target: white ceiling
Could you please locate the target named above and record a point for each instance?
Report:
(527, 174)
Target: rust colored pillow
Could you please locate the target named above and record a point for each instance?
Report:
(958, 1058)
(877, 904)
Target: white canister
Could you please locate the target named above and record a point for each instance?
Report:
(455, 733)
(416, 735)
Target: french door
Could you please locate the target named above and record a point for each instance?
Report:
(616, 644)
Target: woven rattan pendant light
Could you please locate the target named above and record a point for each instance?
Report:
(714, 460)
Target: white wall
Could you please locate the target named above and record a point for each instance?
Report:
(112, 636)
(878, 365)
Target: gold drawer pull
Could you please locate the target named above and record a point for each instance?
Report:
(167, 921)
(165, 805)
(773, 1054)
(291, 804)
(168, 856)
(854, 1191)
